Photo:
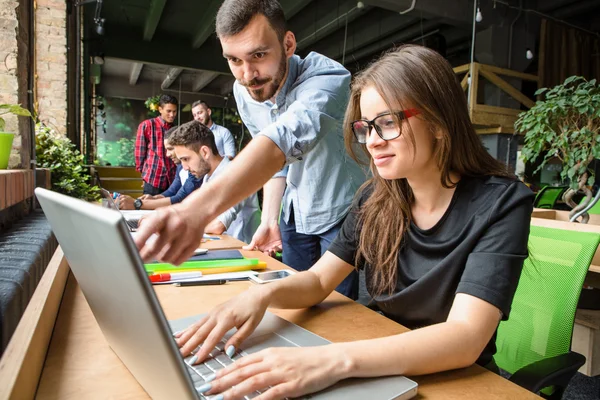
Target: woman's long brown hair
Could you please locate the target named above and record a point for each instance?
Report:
(420, 77)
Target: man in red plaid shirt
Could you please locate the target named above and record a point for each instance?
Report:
(158, 170)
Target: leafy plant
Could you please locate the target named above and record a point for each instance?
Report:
(68, 172)
(12, 109)
(152, 104)
(566, 125)
(127, 152)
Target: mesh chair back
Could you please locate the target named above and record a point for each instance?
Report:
(548, 196)
(543, 309)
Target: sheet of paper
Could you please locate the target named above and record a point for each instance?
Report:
(135, 214)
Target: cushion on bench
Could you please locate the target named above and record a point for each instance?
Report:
(25, 250)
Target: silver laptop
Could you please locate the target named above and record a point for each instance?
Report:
(110, 272)
(132, 223)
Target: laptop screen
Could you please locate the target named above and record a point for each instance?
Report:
(111, 203)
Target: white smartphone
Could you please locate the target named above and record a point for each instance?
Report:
(199, 251)
(266, 277)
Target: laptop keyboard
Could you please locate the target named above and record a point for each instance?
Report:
(216, 360)
(133, 224)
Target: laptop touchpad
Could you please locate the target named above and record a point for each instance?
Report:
(258, 343)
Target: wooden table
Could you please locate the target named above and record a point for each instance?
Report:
(80, 364)
(224, 243)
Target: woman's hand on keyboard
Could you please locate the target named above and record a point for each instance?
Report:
(286, 372)
(243, 312)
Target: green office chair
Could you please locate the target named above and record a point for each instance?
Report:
(548, 196)
(534, 345)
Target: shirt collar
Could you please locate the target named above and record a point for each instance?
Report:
(163, 122)
(289, 80)
(222, 165)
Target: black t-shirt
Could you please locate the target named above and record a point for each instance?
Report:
(478, 248)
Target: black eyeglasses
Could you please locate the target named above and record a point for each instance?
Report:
(385, 125)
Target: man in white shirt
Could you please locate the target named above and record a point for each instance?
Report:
(223, 137)
(195, 147)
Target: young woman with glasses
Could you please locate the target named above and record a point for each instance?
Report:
(440, 230)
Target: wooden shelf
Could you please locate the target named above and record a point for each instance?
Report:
(492, 119)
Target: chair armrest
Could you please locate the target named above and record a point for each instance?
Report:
(553, 371)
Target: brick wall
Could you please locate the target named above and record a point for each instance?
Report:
(51, 69)
(9, 85)
(51, 63)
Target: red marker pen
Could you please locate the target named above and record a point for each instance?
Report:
(174, 276)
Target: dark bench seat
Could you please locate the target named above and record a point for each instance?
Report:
(25, 250)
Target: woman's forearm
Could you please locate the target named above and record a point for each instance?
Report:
(301, 290)
(305, 289)
(456, 343)
(427, 350)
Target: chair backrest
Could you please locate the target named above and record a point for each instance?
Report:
(543, 309)
(548, 196)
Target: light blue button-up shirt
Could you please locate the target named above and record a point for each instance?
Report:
(241, 220)
(224, 140)
(305, 122)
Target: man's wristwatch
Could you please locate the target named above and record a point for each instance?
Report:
(137, 204)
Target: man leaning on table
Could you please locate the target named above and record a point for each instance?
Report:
(294, 108)
(183, 185)
(194, 144)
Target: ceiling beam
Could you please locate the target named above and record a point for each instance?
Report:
(403, 36)
(293, 7)
(227, 88)
(154, 13)
(134, 74)
(203, 79)
(363, 32)
(456, 12)
(122, 43)
(172, 75)
(327, 24)
(206, 23)
(117, 87)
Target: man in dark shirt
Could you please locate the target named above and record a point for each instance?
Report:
(158, 170)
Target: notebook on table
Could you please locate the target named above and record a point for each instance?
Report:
(213, 255)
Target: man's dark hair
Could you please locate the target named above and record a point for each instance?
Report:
(194, 135)
(167, 99)
(199, 102)
(235, 15)
(169, 132)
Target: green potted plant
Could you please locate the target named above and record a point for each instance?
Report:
(68, 172)
(6, 138)
(566, 126)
